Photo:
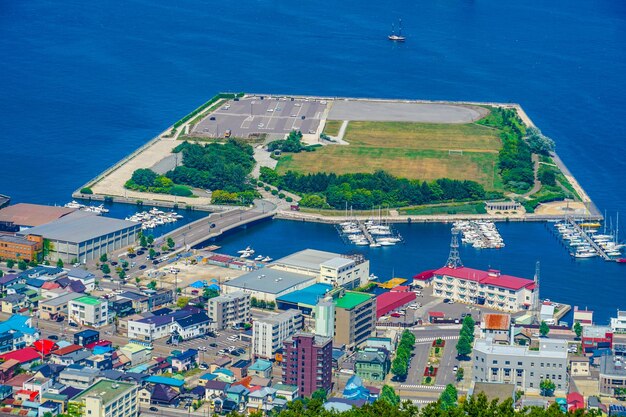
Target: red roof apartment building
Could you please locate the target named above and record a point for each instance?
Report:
(489, 288)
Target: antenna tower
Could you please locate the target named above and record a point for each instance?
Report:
(454, 260)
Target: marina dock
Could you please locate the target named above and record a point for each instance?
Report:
(589, 240)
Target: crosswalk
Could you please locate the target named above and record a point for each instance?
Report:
(423, 387)
(431, 339)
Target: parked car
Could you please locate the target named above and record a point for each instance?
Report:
(153, 409)
(446, 300)
(240, 351)
(456, 368)
(202, 348)
(53, 337)
(235, 353)
(72, 324)
(221, 352)
(214, 345)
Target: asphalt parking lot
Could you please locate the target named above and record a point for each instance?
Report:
(390, 111)
(251, 116)
(222, 343)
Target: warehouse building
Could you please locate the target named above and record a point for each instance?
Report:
(267, 284)
(83, 237)
(22, 216)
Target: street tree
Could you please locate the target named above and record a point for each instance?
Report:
(578, 329)
(544, 329)
(150, 240)
(121, 273)
(389, 395)
(22, 265)
(143, 241)
(182, 302)
(11, 263)
(449, 397)
(463, 346)
(104, 257)
(547, 387)
(105, 269)
(171, 243)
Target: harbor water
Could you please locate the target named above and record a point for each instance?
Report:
(85, 83)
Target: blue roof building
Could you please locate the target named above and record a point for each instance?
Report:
(304, 299)
(172, 382)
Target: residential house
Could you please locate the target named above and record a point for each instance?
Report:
(102, 361)
(238, 394)
(265, 400)
(63, 356)
(223, 374)
(8, 369)
(579, 366)
(87, 278)
(575, 401)
(191, 326)
(240, 368)
(184, 361)
(261, 367)
(175, 383)
(86, 337)
(372, 364)
(15, 303)
(9, 280)
(136, 353)
(121, 308)
(494, 325)
(290, 392)
(51, 309)
(215, 389)
(78, 376)
(164, 395)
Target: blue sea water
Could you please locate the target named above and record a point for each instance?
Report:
(84, 83)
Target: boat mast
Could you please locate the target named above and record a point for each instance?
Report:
(399, 27)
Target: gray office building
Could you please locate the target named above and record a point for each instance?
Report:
(522, 366)
(229, 309)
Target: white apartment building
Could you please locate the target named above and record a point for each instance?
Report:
(520, 365)
(108, 398)
(618, 324)
(88, 311)
(268, 333)
(229, 309)
(327, 267)
(489, 288)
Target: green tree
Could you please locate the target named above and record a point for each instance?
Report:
(399, 367)
(105, 269)
(182, 302)
(171, 243)
(22, 265)
(547, 387)
(60, 263)
(137, 280)
(152, 285)
(11, 263)
(152, 253)
(124, 264)
(143, 241)
(578, 329)
(32, 263)
(319, 394)
(165, 248)
(104, 257)
(544, 329)
(460, 373)
(121, 273)
(463, 346)
(448, 398)
(389, 395)
(209, 293)
(150, 240)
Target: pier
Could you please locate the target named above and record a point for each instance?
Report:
(589, 240)
(366, 233)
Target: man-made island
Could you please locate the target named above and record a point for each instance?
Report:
(324, 159)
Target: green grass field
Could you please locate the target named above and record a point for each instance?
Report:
(408, 150)
(332, 127)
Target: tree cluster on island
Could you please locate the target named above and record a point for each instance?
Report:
(362, 191)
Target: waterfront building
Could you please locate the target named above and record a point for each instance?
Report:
(372, 364)
(269, 332)
(82, 237)
(305, 299)
(489, 288)
(596, 337)
(392, 300)
(612, 374)
(520, 365)
(109, 398)
(325, 318)
(21, 248)
(618, 324)
(308, 363)
(327, 267)
(229, 309)
(584, 317)
(355, 318)
(23, 216)
(88, 311)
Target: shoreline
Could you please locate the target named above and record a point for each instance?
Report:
(108, 185)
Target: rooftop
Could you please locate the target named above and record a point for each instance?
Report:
(495, 321)
(352, 299)
(486, 277)
(281, 317)
(17, 239)
(269, 280)
(105, 389)
(548, 348)
(155, 379)
(260, 365)
(337, 262)
(63, 299)
(24, 214)
(307, 296)
(88, 300)
(307, 259)
(78, 229)
(612, 365)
